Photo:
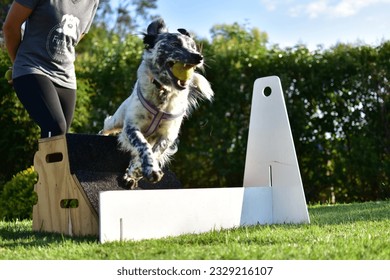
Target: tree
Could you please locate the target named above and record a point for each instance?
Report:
(126, 17)
(337, 102)
(110, 68)
(18, 132)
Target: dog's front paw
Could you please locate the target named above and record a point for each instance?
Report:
(154, 176)
(130, 182)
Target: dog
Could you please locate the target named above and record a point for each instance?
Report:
(69, 26)
(149, 120)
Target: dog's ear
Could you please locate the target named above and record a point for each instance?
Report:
(156, 27)
(184, 32)
(149, 41)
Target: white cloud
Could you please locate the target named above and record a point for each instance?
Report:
(351, 7)
(269, 4)
(272, 5)
(314, 9)
(340, 8)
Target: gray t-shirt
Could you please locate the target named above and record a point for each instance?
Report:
(50, 36)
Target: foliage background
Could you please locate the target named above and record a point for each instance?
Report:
(337, 100)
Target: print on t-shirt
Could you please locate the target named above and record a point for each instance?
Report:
(62, 39)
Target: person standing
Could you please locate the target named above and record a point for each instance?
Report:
(43, 72)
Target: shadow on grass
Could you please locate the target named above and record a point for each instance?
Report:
(19, 233)
(350, 213)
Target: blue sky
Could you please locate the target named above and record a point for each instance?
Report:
(287, 22)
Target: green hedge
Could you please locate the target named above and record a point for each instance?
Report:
(18, 196)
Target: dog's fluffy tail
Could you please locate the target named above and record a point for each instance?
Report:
(110, 127)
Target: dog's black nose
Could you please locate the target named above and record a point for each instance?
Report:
(198, 58)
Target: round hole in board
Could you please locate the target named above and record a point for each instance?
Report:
(267, 91)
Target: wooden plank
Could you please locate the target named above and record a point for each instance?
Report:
(47, 214)
(84, 220)
(56, 184)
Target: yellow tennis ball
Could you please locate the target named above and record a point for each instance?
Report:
(182, 71)
(8, 75)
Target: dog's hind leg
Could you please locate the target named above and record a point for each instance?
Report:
(133, 140)
(113, 124)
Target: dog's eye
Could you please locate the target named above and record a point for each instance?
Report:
(176, 44)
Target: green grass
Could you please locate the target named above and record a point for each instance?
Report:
(359, 231)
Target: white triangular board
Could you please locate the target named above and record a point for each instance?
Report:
(136, 215)
(271, 159)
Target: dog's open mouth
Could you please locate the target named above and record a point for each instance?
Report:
(181, 73)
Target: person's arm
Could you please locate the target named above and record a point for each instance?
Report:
(17, 15)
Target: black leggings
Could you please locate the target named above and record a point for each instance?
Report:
(48, 104)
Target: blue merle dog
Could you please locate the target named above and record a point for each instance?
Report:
(149, 119)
